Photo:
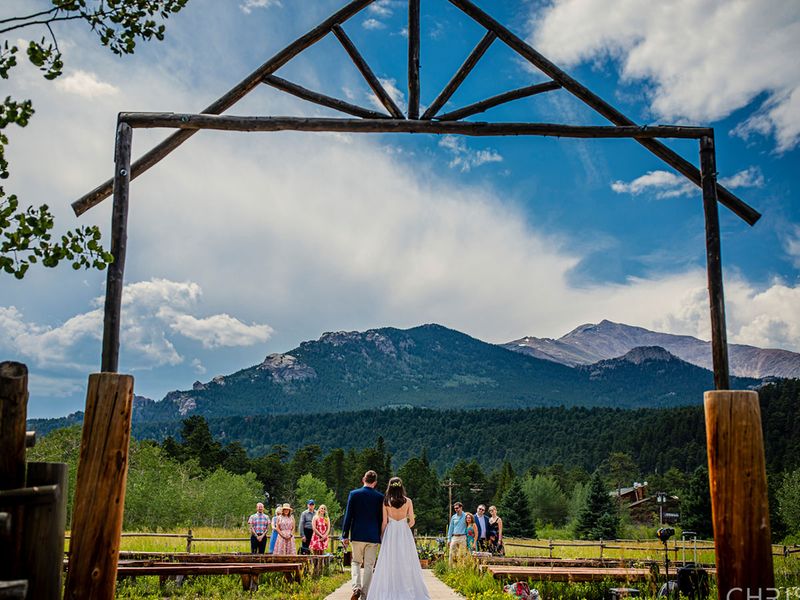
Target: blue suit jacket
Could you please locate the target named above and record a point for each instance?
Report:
(363, 516)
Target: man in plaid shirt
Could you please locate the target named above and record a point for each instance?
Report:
(259, 525)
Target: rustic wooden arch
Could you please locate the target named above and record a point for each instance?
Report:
(734, 571)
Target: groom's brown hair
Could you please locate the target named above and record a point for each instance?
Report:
(370, 476)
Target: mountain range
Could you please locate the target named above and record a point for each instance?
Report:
(431, 366)
(591, 343)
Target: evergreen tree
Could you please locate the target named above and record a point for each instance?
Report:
(548, 503)
(598, 518)
(198, 443)
(235, 459)
(335, 474)
(503, 481)
(423, 488)
(516, 512)
(696, 505)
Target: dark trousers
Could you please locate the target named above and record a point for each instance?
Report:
(304, 549)
(257, 547)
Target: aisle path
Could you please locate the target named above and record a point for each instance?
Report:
(437, 589)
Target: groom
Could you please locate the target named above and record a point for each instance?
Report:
(363, 518)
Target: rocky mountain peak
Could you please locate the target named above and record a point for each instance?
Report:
(284, 368)
(642, 354)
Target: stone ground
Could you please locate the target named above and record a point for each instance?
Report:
(436, 589)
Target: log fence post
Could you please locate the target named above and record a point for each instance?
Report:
(189, 537)
(739, 504)
(13, 413)
(100, 489)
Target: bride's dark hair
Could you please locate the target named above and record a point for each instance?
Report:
(395, 493)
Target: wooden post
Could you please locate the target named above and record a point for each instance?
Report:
(719, 338)
(13, 412)
(189, 541)
(739, 505)
(119, 239)
(45, 521)
(100, 489)
(413, 59)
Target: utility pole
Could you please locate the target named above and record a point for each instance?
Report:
(450, 484)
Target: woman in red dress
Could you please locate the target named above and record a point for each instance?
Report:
(321, 525)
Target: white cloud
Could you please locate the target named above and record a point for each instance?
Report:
(465, 159)
(791, 243)
(220, 330)
(382, 8)
(705, 59)
(151, 312)
(248, 5)
(373, 24)
(390, 85)
(749, 178)
(86, 85)
(198, 366)
(665, 184)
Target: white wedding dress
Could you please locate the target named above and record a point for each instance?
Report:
(398, 575)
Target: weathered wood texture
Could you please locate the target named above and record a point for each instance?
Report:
(738, 481)
(115, 276)
(222, 104)
(581, 92)
(413, 59)
(366, 72)
(13, 412)
(13, 590)
(45, 521)
(321, 99)
(236, 123)
(571, 574)
(484, 105)
(716, 295)
(100, 488)
(460, 75)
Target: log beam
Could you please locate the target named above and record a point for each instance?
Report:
(739, 207)
(716, 295)
(366, 72)
(112, 318)
(460, 75)
(321, 99)
(236, 123)
(484, 105)
(413, 59)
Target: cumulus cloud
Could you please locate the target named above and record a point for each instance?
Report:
(717, 55)
(86, 85)
(390, 85)
(464, 158)
(382, 8)
(248, 5)
(373, 24)
(665, 184)
(152, 311)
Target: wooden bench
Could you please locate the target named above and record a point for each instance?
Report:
(570, 574)
(314, 564)
(249, 572)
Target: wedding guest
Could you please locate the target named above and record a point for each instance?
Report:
(472, 532)
(274, 537)
(321, 524)
(259, 526)
(457, 533)
(495, 536)
(305, 527)
(285, 542)
(482, 523)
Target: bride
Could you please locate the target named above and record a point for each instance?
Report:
(398, 575)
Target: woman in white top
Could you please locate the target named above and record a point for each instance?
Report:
(398, 575)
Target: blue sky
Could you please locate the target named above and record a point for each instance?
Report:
(241, 245)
